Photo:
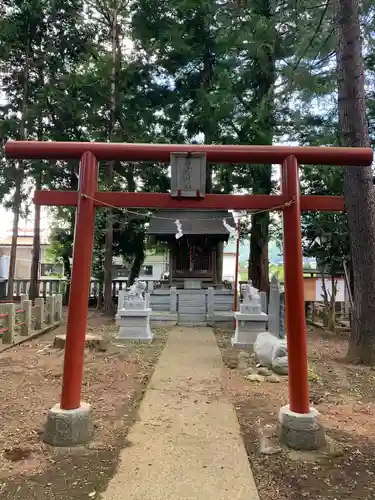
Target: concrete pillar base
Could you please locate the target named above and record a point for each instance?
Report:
(301, 431)
(68, 427)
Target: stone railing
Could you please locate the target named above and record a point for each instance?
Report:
(24, 319)
(49, 287)
(46, 287)
(215, 300)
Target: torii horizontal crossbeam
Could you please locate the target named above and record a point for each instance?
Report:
(289, 201)
(214, 153)
(210, 201)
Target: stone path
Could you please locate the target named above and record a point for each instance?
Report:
(186, 443)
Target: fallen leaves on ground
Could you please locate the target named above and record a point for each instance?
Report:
(345, 396)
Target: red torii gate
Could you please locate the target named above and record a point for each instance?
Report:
(88, 197)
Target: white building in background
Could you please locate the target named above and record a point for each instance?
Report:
(153, 268)
(229, 266)
(156, 265)
(24, 256)
(341, 292)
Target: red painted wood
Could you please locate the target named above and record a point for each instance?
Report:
(210, 201)
(322, 203)
(56, 198)
(80, 285)
(294, 294)
(289, 157)
(214, 153)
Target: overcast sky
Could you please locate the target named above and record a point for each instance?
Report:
(6, 218)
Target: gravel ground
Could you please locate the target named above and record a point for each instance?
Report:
(343, 393)
(114, 383)
(31, 374)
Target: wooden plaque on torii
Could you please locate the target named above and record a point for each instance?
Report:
(188, 175)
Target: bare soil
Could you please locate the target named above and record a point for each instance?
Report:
(345, 396)
(30, 384)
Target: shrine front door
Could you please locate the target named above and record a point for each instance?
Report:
(192, 258)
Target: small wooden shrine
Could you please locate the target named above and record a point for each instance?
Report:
(195, 238)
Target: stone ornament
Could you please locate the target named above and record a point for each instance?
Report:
(250, 319)
(249, 292)
(134, 317)
(272, 352)
(137, 290)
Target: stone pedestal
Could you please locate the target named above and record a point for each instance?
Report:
(250, 321)
(192, 284)
(134, 321)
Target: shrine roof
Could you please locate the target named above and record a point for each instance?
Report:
(195, 222)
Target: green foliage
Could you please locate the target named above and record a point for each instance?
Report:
(251, 72)
(325, 234)
(326, 239)
(278, 271)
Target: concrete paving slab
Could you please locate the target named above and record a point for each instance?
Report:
(186, 443)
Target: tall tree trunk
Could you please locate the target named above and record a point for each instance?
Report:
(264, 81)
(139, 256)
(209, 128)
(358, 184)
(68, 254)
(108, 245)
(136, 265)
(16, 218)
(34, 275)
(68, 250)
(108, 257)
(20, 169)
(259, 262)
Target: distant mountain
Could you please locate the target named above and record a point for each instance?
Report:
(274, 254)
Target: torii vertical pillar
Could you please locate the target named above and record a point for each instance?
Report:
(70, 422)
(299, 424)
